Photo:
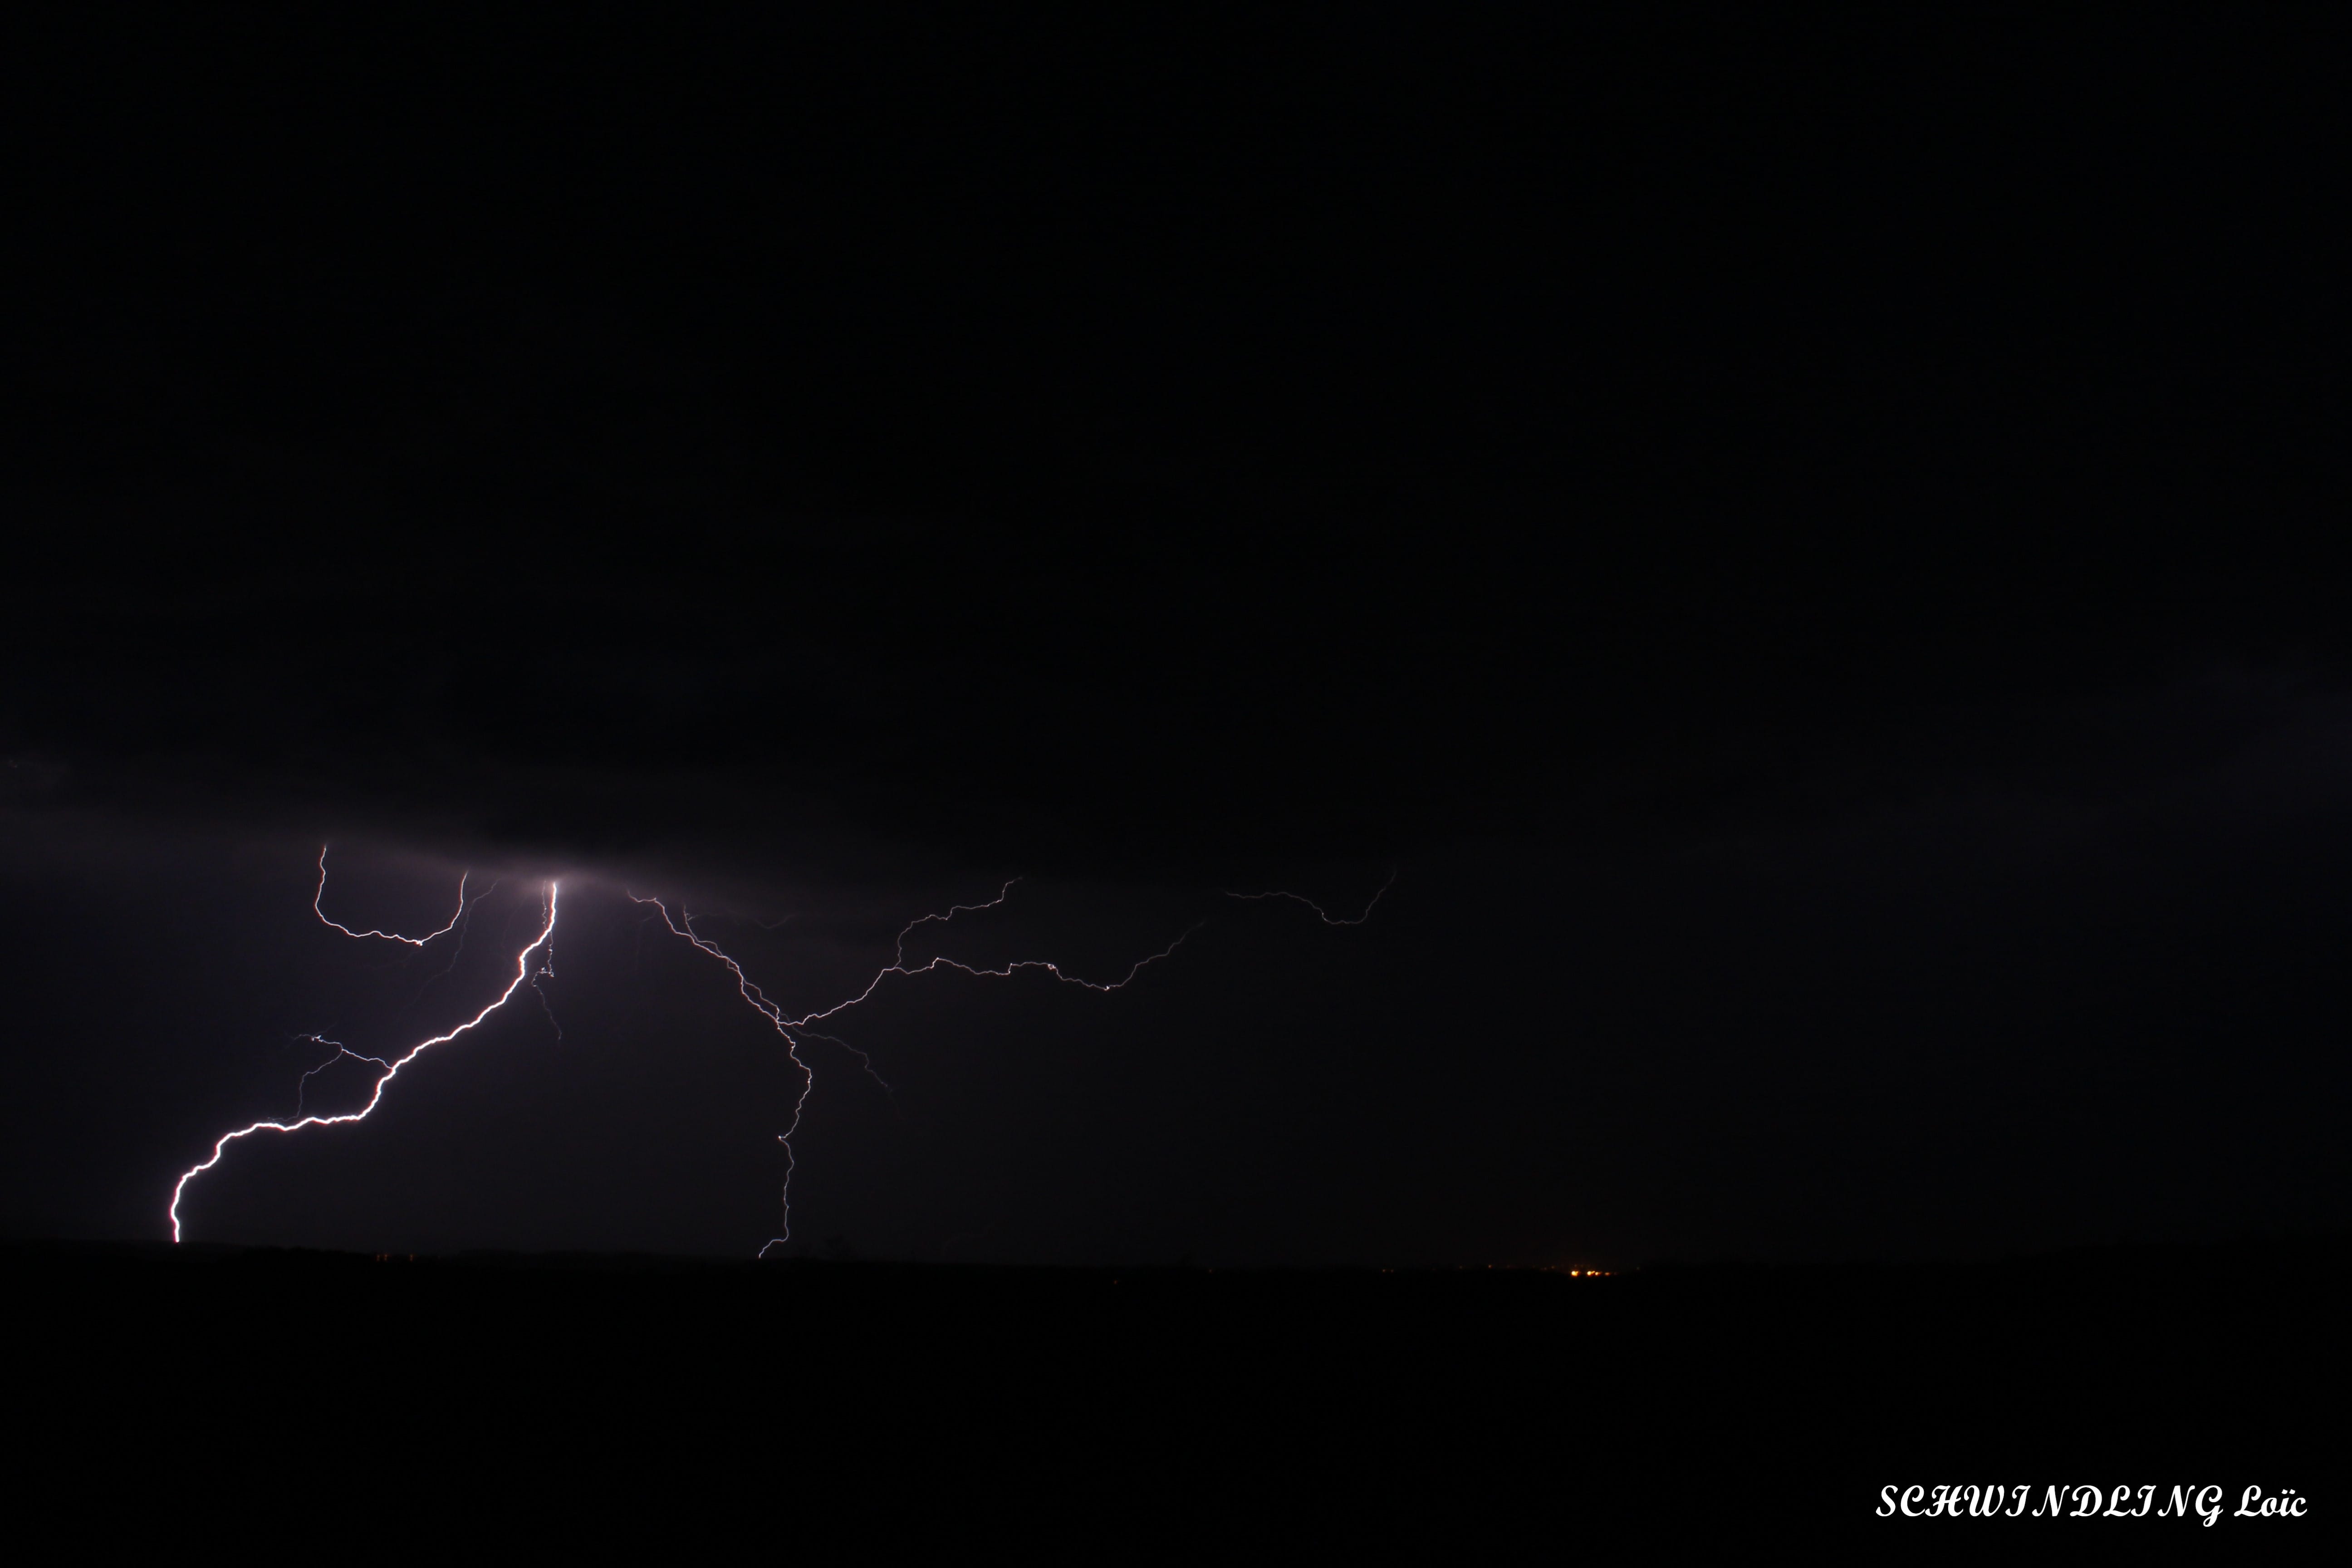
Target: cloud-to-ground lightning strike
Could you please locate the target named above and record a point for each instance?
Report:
(523, 974)
(320, 897)
(793, 1029)
(775, 1016)
(1320, 913)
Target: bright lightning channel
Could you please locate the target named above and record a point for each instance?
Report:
(302, 1085)
(524, 974)
(793, 1030)
(320, 897)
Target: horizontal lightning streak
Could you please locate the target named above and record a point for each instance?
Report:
(320, 897)
(1328, 919)
(1048, 966)
(523, 974)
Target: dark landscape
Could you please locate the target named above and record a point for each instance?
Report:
(860, 1407)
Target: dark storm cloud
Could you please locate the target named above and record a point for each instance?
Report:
(1069, 448)
(1813, 553)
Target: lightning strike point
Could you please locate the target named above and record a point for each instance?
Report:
(792, 1030)
(523, 974)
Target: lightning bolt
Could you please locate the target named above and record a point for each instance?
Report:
(767, 1009)
(1320, 913)
(320, 897)
(794, 1029)
(899, 961)
(341, 1050)
(458, 948)
(524, 974)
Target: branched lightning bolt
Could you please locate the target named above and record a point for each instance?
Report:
(457, 951)
(341, 1050)
(320, 897)
(898, 961)
(546, 971)
(548, 1007)
(775, 1016)
(864, 1061)
(524, 974)
(794, 1029)
(465, 923)
(1320, 913)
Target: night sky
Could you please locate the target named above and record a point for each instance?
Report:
(1807, 556)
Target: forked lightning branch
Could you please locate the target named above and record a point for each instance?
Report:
(535, 963)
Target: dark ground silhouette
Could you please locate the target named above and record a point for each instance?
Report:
(870, 1405)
